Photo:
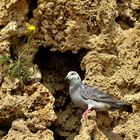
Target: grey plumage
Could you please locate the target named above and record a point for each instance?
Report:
(87, 97)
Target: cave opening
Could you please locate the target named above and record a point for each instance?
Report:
(45, 56)
(54, 66)
(125, 23)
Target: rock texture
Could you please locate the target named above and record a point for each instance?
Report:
(98, 39)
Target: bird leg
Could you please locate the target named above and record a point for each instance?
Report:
(90, 106)
(86, 112)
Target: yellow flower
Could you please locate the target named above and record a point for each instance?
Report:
(31, 28)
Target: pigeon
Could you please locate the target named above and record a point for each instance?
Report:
(88, 97)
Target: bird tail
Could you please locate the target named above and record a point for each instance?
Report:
(124, 106)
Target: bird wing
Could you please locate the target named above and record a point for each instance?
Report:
(91, 93)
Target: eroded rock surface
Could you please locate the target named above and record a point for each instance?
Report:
(101, 38)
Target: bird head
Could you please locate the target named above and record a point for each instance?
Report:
(73, 75)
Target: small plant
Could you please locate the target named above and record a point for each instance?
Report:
(5, 61)
(18, 68)
(30, 30)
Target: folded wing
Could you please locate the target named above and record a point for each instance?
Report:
(88, 92)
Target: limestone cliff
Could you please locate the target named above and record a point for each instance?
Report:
(41, 40)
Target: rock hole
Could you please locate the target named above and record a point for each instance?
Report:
(4, 128)
(125, 23)
(135, 137)
(32, 6)
(2, 26)
(14, 49)
(137, 90)
(54, 66)
(137, 14)
(120, 1)
(56, 137)
(123, 136)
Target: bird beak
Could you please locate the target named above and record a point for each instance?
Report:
(66, 77)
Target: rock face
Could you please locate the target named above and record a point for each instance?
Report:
(40, 41)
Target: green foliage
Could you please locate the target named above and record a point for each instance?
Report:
(15, 69)
(4, 59)
(18, 68)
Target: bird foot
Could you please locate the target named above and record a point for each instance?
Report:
(85, 113)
